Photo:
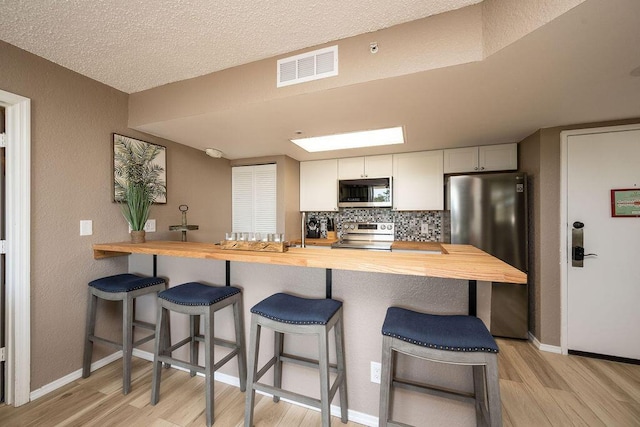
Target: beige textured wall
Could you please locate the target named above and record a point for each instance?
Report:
(72, 119)
(529, 162)
(435, 42)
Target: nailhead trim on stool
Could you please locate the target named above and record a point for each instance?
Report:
(453, 339)
(120, 287)
(196, 299)
(289, 314)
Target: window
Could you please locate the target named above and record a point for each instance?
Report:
(254, 198)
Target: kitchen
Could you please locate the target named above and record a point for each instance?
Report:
(67, 101)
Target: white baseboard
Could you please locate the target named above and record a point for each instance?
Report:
(355, 416)
(544, 347)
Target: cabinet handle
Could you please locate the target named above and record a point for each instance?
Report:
(475, 169)
(482, 168)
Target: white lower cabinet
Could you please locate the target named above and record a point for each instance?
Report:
(418, 181)
(319, 185)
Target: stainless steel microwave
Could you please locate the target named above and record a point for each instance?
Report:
(365, 193)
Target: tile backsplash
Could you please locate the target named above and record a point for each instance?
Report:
(408, 224)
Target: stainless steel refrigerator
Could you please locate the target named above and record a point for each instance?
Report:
(489, 211)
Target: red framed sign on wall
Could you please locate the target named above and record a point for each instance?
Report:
(625, 202)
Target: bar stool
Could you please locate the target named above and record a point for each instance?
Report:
(460, 340)
(288, 314)
(125, 288)
(196, 299)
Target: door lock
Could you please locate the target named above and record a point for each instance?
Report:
(577, 248)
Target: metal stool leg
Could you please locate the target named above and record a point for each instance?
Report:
(254, 349)
(194, 331)
(493, 391)
(342, 370)
(90, 331)
(386, 382)
(127, 342)
(209, 368)
(238, 317)
(323, 362)
(278, 347)
(161, 346)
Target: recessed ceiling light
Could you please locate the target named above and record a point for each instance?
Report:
(368, 138)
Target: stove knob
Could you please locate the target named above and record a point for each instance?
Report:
(390, 226)
(383, 227)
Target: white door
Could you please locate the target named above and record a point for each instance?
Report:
(603, 296)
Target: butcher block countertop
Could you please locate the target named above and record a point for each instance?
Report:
(455, 261)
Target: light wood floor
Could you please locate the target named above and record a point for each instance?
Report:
(538, 389)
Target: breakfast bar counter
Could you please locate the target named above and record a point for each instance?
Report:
(454, 261)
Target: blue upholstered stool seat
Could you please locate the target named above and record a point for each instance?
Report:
(454, 333)
(194, 293)
(296, 310)
(124, 283)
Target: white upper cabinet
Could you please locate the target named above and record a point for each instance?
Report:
(485, 158)
(418, 181)
(319, 185)
(365, 167)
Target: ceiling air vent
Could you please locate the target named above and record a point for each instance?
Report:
(308, 66)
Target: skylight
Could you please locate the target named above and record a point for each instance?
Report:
(342, 141)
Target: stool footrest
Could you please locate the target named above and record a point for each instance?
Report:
(297, 397)
(180, 363)
(145, 325)
(397, 424)
(298, 360)
(96, 339)
(144, 340)
(433, 390)
(265, 368)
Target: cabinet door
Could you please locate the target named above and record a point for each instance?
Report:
(319, 185)
(498, 157)
(351, 168)
(378, 166)
(458, 160)
(254, 198)
(418, 181)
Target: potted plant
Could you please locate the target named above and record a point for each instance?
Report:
(136, 209)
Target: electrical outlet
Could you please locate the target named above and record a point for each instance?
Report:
(150, 226)
(376, 369)
(424, 228)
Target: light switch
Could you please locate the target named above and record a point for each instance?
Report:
(86, 227)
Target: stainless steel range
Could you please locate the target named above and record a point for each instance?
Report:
(366, 235)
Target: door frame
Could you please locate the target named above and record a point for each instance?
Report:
(18, 247)
(564, 222)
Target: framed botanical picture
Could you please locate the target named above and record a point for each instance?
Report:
(136, 161)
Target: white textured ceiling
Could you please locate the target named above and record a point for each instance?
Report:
(134, 45)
